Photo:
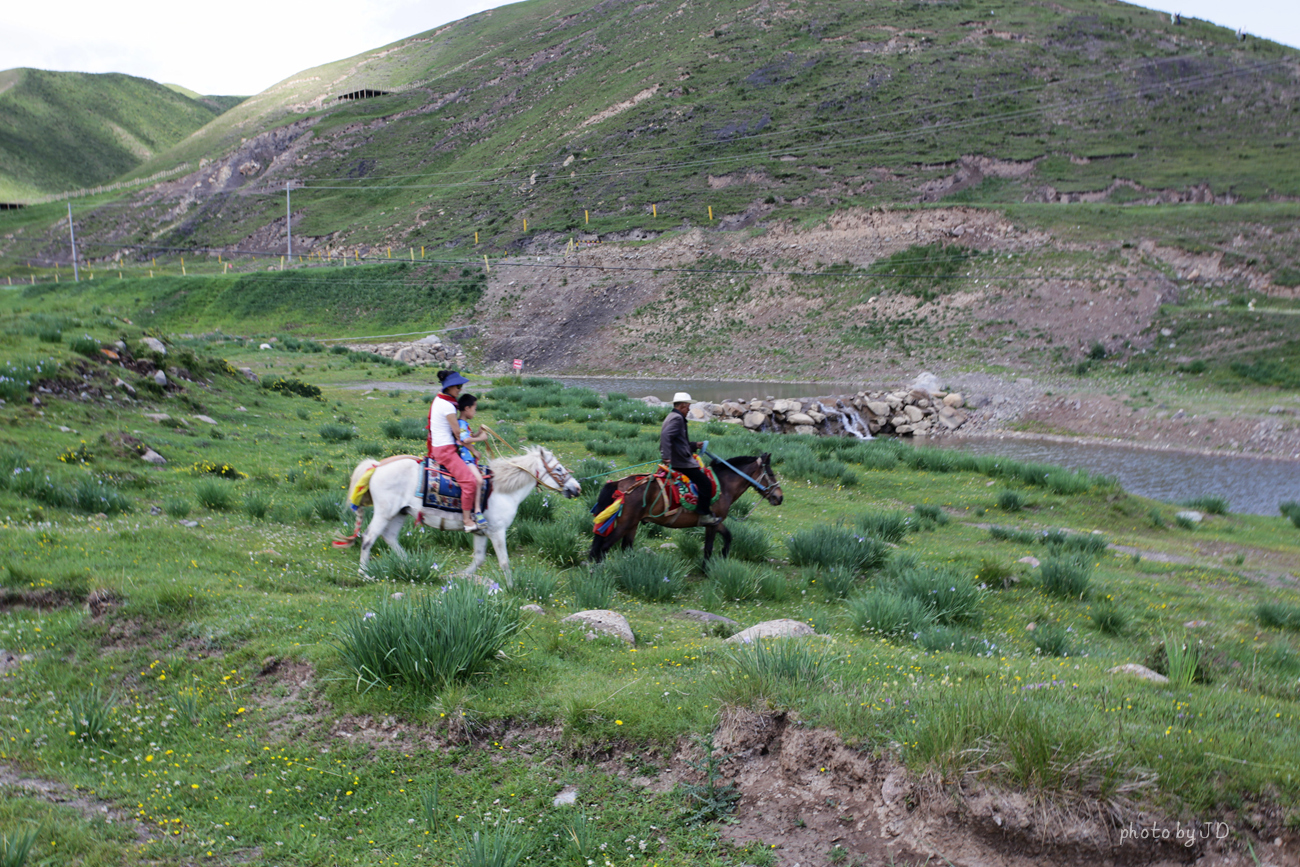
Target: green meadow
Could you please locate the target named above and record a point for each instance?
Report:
(196, 675)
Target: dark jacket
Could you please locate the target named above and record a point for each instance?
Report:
(674, 447)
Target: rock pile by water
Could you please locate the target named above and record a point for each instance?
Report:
(914, 412)
(426, 350)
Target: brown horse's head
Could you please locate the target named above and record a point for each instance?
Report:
(767, 478)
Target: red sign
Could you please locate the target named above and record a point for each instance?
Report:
(519, 364)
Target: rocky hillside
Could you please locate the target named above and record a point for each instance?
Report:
(67, 130)
(626, 118)
(828, 189)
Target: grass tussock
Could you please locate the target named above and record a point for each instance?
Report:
(427, 640)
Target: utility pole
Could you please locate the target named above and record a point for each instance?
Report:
(288, 218)
(71, 234)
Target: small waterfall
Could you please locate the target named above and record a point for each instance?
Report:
(849, 419)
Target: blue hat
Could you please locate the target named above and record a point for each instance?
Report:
(454, 379)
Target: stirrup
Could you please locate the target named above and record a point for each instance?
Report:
(481, 521)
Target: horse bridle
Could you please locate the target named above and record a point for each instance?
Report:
(557, 473)
(763, 490)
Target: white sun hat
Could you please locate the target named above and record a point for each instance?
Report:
(681, 397)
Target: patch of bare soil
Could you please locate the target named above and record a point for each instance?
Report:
(14, 782)
(1274, 434)
(39, 599)
(805, 792)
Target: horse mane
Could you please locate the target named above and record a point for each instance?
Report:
(509, 472)
(721, 468)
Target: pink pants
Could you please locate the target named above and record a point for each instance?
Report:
(449, 457)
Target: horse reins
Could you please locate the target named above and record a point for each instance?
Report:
(763, 490)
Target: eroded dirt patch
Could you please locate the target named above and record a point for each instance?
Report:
(805, 792)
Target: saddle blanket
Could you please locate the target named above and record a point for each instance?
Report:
(441, 491)
(679, 487)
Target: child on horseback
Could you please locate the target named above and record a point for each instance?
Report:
(445, 437)
(679, 454)
(468, 405)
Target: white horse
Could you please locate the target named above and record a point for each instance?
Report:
(394, 488)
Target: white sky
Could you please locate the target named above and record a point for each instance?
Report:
(244, 46)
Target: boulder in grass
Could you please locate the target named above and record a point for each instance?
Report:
(772, 629)
(608, 622)
(1139, 671)
(153, 344)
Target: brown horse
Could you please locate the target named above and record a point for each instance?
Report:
(643, 500)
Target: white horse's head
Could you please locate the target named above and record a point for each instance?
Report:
(552, 473)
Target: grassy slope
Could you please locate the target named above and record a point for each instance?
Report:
(320, 302)
(869, 98)
(182, 657)
(219, 104)
(65, 130)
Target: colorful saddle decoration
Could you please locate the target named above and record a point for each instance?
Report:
(676, 489)
(679, 488)
(439, 489)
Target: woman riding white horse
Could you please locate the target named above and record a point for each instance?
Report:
(394, 488)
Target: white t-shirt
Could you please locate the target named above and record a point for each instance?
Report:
(440, 432)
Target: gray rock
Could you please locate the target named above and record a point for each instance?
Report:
(153, 457)
(157, 416)
(878, 408)
(951, 418)
(954, 400)
(1139, 671)
(902, 429)
(927, 382)
(772, 629)
(248, 374)
(532, 608)
(205, 419)
(805, 430)
(431, 340)
(753, 420)
(567, 798)
(125, 386)
(184, 523)
(1190, 515)
(787, 406)
(153, 344)
(799, 418)
(1031, 562)
(913, 413)
(264, 346)
(160, 378)
(608, 622)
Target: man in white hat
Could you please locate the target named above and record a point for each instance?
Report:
(678, 452)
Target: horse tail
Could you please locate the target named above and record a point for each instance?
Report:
(606, 498)
(348, 541)
(358, 496)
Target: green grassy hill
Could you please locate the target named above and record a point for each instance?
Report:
(66, 130)
(218, 104)
(564, 112)
(1114, 147)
